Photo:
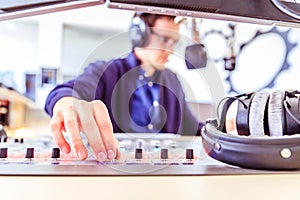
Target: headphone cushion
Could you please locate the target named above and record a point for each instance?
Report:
(275, 113)
(257, 113)
(242, 117)
(292, 126)
(139, 32)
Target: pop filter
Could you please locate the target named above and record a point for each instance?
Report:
(195, 56)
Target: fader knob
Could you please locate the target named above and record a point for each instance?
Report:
(3, 153)
(29, 153)
(189, 154)
(55, 153)
(138, 153)
(164, 154)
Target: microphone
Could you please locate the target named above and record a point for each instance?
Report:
(195, 56)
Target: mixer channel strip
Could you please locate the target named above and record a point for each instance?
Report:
(162, 155)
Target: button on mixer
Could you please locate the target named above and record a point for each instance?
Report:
(189, 154)
(4, 139)
(3, 153)
(29, 153)
(55, 153)
(138, 153)
(164, 154)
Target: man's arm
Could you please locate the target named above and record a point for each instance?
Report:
(74, 111)
(73, 116)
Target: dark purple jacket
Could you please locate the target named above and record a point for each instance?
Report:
(114, 83)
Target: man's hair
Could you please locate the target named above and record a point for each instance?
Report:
(150, 18)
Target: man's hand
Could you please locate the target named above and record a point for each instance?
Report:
(73, 116)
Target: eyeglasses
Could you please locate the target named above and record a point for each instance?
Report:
(166, 40)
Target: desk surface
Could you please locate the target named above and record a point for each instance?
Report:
(240, 187)
(37, 179)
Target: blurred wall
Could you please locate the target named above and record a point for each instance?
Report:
(67, 41)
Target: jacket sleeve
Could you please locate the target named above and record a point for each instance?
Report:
(178, 109)
(190, 121)
(86, 86)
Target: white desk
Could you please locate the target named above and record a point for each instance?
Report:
(240, 187)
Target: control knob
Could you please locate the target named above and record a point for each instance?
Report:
(189, 154)
(55, 153)
(138, 153)
(164, 153)
(29, 153)
(3, 153)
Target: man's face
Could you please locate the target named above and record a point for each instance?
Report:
(162, 41)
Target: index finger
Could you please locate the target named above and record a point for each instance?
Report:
(106, 129)
(72, 128)
(56, 126)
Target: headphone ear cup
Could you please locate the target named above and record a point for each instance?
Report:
(257, 113)
(242, 116)
(292, 126)
(276, 113)
(139, 32)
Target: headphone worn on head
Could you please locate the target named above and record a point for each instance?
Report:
(268, 127)
(139, 31)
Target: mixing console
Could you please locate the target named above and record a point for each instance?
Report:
(141, 154)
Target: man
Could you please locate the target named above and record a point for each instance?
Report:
(131, 94)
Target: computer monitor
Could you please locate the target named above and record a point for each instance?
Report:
(12, 9)
(269, 12)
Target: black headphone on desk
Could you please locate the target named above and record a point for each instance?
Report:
(268, 127)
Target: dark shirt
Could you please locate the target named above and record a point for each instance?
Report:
(144, 105)
(115, 84)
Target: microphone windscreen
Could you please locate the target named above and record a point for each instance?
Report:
(195, 56)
